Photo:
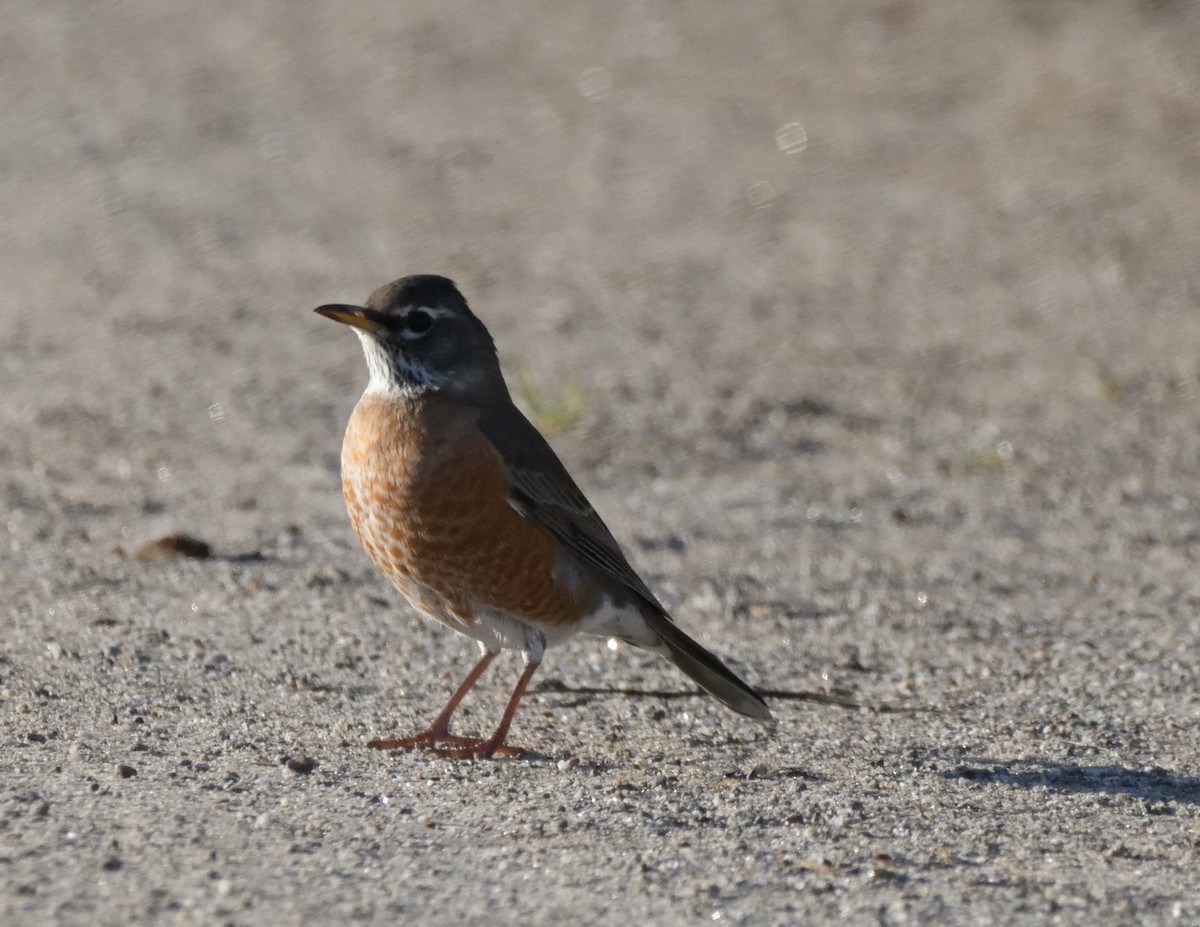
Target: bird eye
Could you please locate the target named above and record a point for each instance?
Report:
(418, 321)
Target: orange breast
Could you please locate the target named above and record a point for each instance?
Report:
(428, 499)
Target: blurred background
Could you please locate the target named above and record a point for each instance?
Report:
(708, 212)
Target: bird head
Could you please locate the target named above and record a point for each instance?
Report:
(419, 335)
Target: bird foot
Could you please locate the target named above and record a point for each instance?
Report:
(451, 746)
(479, 750)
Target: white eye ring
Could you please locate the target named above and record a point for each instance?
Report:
(416, 324)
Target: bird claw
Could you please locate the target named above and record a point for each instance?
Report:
(451, 746)
(426, 739)
(479, 750)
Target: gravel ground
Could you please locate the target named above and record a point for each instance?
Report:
(873, 328)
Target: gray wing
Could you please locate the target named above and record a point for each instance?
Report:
(544, 492)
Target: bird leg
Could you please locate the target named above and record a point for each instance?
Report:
(439, 731)
(494, 745)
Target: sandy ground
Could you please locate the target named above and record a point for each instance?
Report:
(873, 328)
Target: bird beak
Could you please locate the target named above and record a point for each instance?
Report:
(368, 320)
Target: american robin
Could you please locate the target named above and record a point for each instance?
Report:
(466, 509)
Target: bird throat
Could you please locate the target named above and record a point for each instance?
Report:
(392, 373)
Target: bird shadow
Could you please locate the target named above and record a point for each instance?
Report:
(1153, 784)
(587, 693)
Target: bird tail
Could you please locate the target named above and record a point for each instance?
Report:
(713, 676)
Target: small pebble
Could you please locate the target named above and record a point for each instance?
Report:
(170, 546)
(300, 765)
(125, 771)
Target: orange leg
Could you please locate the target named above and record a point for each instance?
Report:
(438, 739)
(439, 731)
(495, 745)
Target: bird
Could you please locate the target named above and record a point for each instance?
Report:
(464, 507)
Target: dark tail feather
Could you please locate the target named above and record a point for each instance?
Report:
(710, 673)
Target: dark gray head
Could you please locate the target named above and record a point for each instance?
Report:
(418, 335)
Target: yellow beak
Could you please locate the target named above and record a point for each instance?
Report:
(355, 316)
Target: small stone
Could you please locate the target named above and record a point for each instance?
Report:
(35, 738)
(300, 765)
(170, 546)
(112, 864)
(289, 536)
(126, 771)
